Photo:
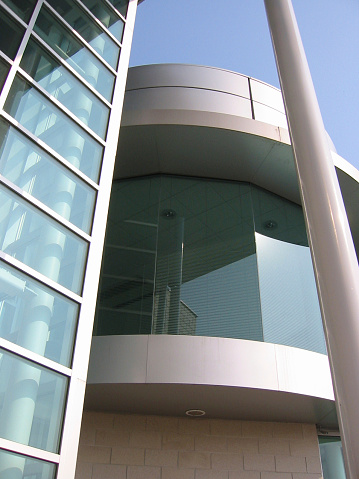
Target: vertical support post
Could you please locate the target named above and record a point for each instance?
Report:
(333, 253)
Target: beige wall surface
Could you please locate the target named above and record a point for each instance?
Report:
(120, 446)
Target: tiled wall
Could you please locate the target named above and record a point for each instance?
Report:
(115, 446)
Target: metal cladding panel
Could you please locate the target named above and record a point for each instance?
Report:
(183, 98)
(193, 76)
(267, 94)
(164, 359)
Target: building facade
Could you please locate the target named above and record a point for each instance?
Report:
(207, 304)
(63, 70)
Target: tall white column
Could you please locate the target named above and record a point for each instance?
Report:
(331, 244)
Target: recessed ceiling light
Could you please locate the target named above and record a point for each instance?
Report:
(195, 412)
(270, 225)
(169, 214)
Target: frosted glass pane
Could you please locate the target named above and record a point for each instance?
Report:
(36, 317)
(290, 307)
(34, 171)
(331, 452)
(40, 242)
(30, 108)
(21, 467)
(31, 403)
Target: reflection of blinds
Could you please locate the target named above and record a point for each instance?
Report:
(290, 307)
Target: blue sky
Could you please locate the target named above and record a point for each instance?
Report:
(233, 34)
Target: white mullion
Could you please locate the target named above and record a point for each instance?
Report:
(72, 420)
(41, 278)
(100, 24)
(80, 38)
(61, 107)
(45, 209)
(73, 72)
(44, 146)
(6, 59)
(34, 357)
(29, 451)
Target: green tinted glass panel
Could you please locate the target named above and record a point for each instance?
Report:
(22, 9)
(32, 402)
(61, 84)
(36, 317)
(210, 258)
(77, 18)
(9, 29)
(106, 16)
(182, 252)
(38, 115)
(22, 467)
(289, 300)
(74, 53)
(34, 171)
(4, 70)
(331, 454)
(40, 242)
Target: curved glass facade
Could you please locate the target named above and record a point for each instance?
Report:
(208, 258)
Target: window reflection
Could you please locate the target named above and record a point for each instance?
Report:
(22, 9)
(4, 70)
(106, 16)
(183, 256)
(47, 122)
(331, 452)
(61, 84)
(35, 317)
(9, 29)
(24, 467)
(74, 53)
(41, 243)
(34, 171)
(32, 403)
(83, 24)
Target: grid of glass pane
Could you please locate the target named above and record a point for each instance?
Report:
(9, 29)
(106, 16)
(38, 115)
(21, 467)
(22, 9)
(40, 242)
(61, 84)
(89, 31)
(74, 53)
(36, 317)
(184, 256)
(34, 171)
(31, 402)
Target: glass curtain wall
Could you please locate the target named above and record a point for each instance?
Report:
(59, 63)
(208, 258)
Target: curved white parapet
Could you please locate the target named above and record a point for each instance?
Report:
(225, 377)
